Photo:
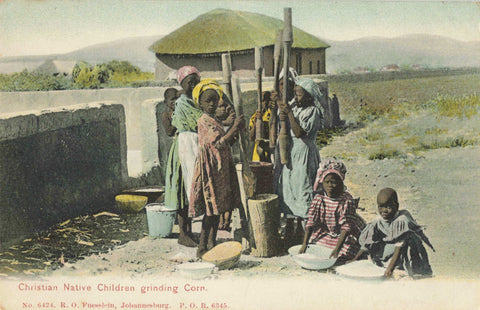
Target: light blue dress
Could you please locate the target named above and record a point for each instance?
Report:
(294, 181)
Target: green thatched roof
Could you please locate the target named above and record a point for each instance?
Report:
(226, 30)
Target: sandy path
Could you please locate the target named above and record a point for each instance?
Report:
(442, 192)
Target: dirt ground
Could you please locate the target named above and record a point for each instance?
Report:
(439, 188)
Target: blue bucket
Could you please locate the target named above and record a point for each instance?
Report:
(160, 219)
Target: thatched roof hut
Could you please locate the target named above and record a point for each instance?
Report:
(201, 42)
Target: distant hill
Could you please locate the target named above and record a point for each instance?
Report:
(371, 52)
(416, 49)
(135, 50)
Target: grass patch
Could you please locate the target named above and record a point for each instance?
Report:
(384, 153)
(368, 101)
(435, 131)
(463, 107)
(326, 135)
(449, 142)
(407, 116)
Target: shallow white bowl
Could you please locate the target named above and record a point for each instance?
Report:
(198, 270)
(362, 269)
(316, 257)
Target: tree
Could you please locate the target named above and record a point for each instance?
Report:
(86, 76)
(122, 67)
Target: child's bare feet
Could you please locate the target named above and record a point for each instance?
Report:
(186, 240)
(225, 220)
(221, 222)
(200, 252)
(193, 237)
(226, 225)
(211, 244)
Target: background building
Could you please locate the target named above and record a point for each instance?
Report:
(201, 42)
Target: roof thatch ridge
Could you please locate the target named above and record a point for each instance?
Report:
(229, 30)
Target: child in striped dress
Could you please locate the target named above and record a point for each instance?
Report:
(332, 218)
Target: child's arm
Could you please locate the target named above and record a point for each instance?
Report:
(338, 247)
(393, 261)
(232, 132)
(308, 234)
(229, 120)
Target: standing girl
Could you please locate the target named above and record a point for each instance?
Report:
(215, 190)
(294, 181)
(182, 154)
(332, 217)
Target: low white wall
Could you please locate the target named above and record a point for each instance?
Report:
(139, 105)
(147, 143)
(59, 163)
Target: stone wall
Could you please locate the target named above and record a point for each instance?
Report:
(59, 163)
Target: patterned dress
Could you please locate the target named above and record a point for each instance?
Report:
(328, 216)
(381, 236)
(215, 188)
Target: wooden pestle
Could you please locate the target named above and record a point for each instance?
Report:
(283, 136)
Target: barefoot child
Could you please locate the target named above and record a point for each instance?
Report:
(395, 236)
(294, 181)
(215, 188)
(225, 115)
(182, 154)
(332, 218)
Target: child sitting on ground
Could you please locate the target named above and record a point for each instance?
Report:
(395, 236)
(332, 218)
(215, 190)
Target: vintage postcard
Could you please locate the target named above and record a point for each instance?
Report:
(157, 154)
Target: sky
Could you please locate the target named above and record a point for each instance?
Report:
(40, 27)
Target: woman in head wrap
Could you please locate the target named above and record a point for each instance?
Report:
(215, 191)
(183, 153)
(294, 181)
(333, 221)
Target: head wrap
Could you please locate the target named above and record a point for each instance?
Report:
(185, 71)
(203, 86)
(328, 166)
(292, 75)
(312, 88)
